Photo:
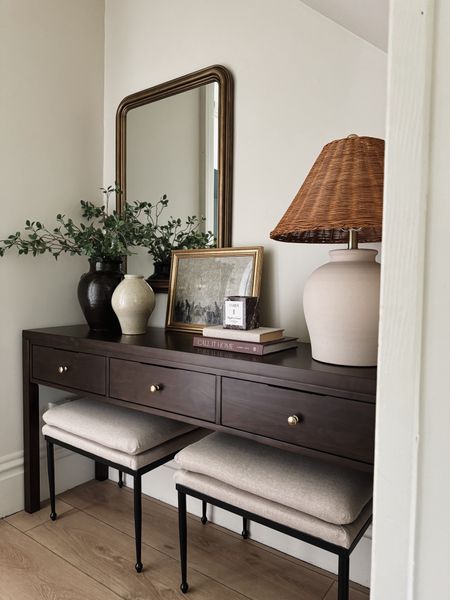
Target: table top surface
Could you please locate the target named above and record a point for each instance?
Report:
(287, 363)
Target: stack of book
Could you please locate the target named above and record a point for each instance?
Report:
(260, 341)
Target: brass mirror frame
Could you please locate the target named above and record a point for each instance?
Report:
(215, 73)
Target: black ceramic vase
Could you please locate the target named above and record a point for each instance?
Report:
(159, 281)
(95, 290)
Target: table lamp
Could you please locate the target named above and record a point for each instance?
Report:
(341, 201)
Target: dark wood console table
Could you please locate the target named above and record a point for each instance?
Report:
(161, 373)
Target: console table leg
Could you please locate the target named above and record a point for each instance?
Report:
(31, 426)
(101, 471)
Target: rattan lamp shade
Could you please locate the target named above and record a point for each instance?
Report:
(343, 190)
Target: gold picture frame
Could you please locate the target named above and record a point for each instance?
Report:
(201, 279)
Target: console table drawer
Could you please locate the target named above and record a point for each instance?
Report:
(84, 372)
(174, 390)
(334, 425)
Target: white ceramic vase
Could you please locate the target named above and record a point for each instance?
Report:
(341, 304)
(133, 302)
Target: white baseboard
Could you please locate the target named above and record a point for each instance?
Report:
(11, 483)
(70, 469)
(159, 484)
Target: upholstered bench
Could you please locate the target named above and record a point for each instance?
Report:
(309, 499)
(128, 440)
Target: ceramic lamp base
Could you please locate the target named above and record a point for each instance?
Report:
(341, 304)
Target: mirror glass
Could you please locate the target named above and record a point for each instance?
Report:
(172, 149)
(175, 140)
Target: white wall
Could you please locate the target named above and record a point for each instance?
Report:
(300, 81)
(411, 553)
(432, 544)
(51, 146)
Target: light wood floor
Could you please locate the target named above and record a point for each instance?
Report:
(88, 554)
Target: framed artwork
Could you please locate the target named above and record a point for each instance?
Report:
(201, 279)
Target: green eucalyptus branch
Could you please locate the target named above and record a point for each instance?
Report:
(109, 235)
(160, 239)
(103, 235)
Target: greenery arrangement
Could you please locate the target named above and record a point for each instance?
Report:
(104, 236)
(160, 239)
(110, 235)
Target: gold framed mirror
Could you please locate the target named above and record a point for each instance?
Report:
(176, 139)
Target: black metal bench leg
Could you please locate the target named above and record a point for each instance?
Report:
(182, 526)
(120, 484)
(101, 471)
(343, 576)
(245, 529)
(204, 518)
(51, 479)
(138, 520)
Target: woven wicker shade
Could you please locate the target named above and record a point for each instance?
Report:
(343, 190)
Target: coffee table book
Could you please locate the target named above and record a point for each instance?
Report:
(258, 335)
(245, 347)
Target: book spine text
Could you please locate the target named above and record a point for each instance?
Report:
(228, 345)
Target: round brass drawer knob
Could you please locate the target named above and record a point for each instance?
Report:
(293, 420)
(63, 369)
(155, 388)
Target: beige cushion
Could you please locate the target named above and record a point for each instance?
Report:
(341, 535)
(132, 461)
(330, 493)
(121, 429)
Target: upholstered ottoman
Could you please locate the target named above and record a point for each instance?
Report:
(309, 499)
(128, 440)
